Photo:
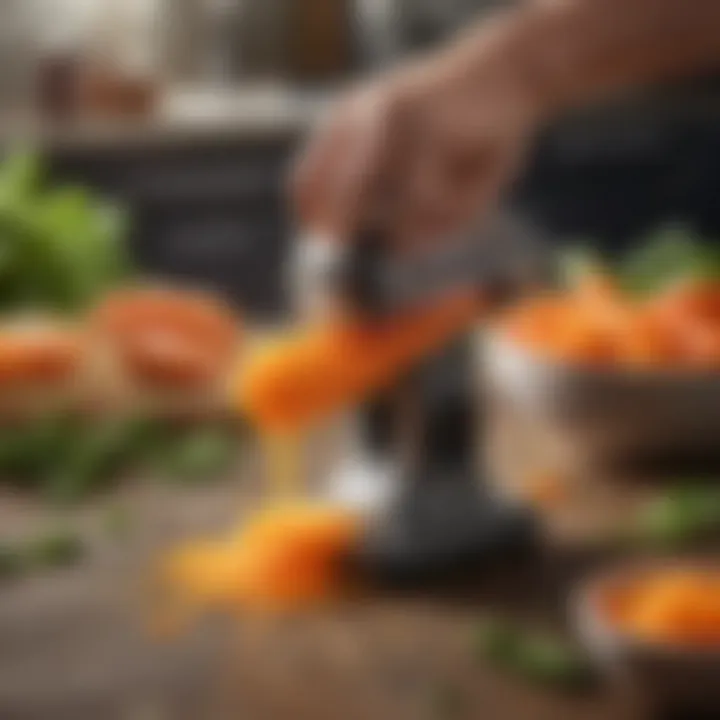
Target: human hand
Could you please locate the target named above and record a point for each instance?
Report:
(423, 152)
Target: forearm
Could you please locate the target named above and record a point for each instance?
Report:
(571, 52)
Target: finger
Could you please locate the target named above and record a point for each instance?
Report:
(314, 170)
(493, 183)
(364, 188)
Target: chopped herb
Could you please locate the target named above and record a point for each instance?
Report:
(535, 657)
(59, 548)
(11, 562)
(198, 454)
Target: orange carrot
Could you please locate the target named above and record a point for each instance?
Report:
(286, 557)
(678, 606)
(310, 374)
(595, 323)
(35, 356)
(168, 337)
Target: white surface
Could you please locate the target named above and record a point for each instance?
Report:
(363, 484)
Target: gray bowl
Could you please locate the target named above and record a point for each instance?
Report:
(663, 677)
(604, 416)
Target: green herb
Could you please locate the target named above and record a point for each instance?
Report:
(669, 255)
(678, 518)
(58, 548)
(11, 562)
(535, 657)
(94, 457)
(197, 454)
(497, 640)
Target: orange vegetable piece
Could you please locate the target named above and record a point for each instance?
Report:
(37, 355)
(286, 557)
(168, 337)
(596, 323)
(316, 371)
(676, 606)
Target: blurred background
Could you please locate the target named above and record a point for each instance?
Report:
(189, 110)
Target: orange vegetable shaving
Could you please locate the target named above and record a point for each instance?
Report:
(286, 557)
(309, 374)
(675, 606)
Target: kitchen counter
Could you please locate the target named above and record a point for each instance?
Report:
(76, 646)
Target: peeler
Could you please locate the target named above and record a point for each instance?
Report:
(419, 449)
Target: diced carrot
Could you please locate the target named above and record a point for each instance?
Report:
(596, 323)
(670, 606)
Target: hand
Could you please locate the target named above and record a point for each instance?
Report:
(425, 151)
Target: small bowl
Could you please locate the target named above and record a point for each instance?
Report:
(663, 676)
(606, 416)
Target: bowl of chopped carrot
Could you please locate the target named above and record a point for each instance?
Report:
(613, 372)
(656, 625)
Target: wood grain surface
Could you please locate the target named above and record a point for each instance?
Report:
(75, 645)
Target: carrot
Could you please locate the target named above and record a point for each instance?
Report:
(679, 606)
(35, 356)
(286, 557)
(596, 323)
(308, 375)
(168, 337)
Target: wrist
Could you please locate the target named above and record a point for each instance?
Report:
(525, 51)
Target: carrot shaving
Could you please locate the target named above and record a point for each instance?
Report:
(286, 557)
(309, 374)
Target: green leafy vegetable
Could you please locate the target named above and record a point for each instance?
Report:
(197, 454)
(678, 518)
(95, 455)
(28, 453)
(59, 248)
(67, 458)
(668, 255)
(671, 254)
(536, 657)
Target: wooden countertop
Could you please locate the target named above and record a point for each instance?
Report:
(75, 644)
